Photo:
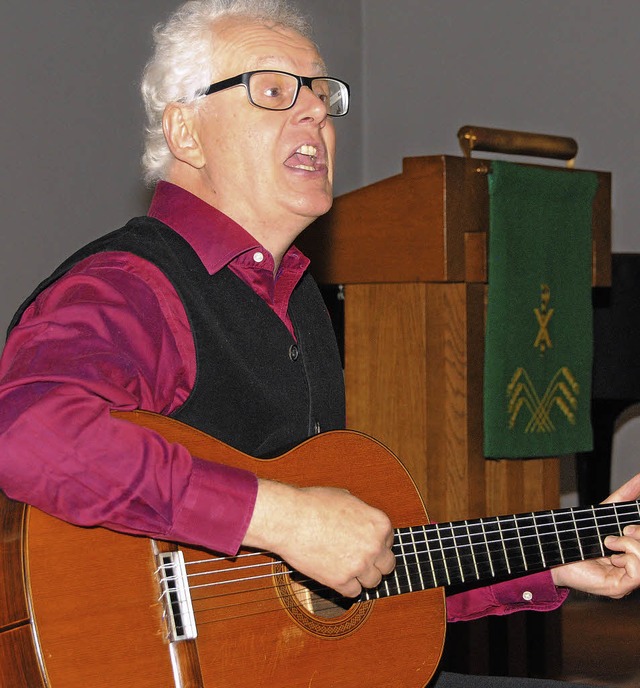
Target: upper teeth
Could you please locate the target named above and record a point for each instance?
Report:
(312, 151)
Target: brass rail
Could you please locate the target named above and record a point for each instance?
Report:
(472, 138)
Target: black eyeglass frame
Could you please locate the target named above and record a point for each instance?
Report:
(244, 78)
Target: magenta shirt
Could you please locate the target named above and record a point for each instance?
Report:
(112, 334)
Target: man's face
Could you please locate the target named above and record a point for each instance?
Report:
(259, 168)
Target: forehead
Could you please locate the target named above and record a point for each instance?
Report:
(242, 45)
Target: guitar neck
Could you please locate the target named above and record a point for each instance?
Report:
(445, 554)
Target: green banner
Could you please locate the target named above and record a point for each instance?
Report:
(538, 346)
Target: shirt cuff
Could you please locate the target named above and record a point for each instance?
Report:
(217, 507)
(536, 592)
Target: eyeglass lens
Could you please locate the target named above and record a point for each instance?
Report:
(277, 91)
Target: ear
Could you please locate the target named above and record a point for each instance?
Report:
(180, 132)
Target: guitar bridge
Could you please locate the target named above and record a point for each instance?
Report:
(176, 596)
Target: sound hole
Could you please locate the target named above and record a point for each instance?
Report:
(318, 609)
(319, 600)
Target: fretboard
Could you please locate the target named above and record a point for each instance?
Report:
(445, 554)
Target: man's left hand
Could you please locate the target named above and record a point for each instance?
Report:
(614, 576)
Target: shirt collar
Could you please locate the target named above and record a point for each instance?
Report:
(214, 236)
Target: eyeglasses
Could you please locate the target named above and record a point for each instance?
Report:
(279, 90)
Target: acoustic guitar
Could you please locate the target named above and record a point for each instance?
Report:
(91, 608)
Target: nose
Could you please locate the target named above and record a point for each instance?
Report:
(310, 106)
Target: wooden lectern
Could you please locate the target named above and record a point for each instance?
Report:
(411, 253)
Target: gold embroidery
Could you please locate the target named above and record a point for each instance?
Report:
(561, 392)
(543, 315)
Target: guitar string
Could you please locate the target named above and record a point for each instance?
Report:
(440, 569)
(269, 588)
(466, 535)
(415, 551)
(253, 607)
(270, 602)
(327, 600)
(272, 596)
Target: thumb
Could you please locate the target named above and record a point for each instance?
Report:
(629, 491)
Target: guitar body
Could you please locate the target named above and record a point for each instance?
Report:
(80, 607)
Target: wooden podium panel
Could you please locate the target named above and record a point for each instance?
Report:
(425, 412)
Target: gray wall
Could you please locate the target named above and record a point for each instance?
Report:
(567, 67)
(70, 135)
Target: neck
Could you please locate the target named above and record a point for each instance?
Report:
(469, 552)
(275, 234)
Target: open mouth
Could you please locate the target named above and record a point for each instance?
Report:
(305, 158)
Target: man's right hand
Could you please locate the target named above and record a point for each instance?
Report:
(324, 533)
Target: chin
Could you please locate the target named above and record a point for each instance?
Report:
(313, 206)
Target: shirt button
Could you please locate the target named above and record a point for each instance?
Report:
(527, 596)
(258, 256)
(294, 352)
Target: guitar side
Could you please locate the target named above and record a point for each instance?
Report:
(92, 595)
(19, 663)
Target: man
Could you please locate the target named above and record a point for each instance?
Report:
(204, 311)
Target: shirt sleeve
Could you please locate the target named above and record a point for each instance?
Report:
(111, 334)
(535, 592)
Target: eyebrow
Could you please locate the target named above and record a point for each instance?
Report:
(275, 62)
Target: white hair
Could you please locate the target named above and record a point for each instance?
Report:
(182, 62)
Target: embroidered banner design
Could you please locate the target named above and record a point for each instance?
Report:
(561, 392)
(538, 345)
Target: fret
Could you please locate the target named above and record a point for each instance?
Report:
(416, 550)
(573, 517)
(548, 539)
(401, 573)
(525, 566)
(428, 555)
(456, 548)
(513, 545)
(410, 560)
(481, 561)
(495, 547)
(500, 521)
(486, 546)
(525, 527)
(557, 524)
(463, 557)
(571, 527)
(609, 520)
(386, 588)
(433, 545)
(615, 512)
(453, 556)
(467, 556)
(394, 583)
(538, 539)
(597, 529)
(442, 551)
(589, 536)
(558, 540)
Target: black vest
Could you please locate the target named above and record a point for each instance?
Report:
(256, 388)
